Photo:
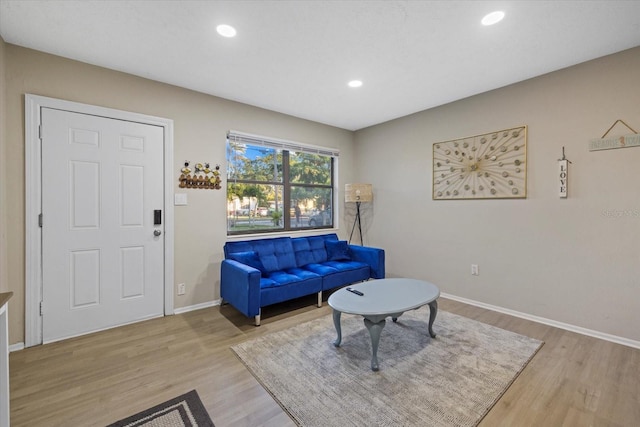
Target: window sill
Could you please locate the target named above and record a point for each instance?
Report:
(291, 233)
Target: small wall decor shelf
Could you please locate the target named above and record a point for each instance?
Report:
(204, 176)
(487, 166)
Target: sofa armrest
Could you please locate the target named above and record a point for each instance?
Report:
(240, 286)
(372, 256)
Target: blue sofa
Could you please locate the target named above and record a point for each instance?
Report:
(257, 273)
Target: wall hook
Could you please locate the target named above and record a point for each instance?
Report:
(565, 157)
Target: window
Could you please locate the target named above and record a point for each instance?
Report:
(275, 185)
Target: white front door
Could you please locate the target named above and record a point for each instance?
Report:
(102, 245)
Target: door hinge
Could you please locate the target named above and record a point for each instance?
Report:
(41, 303)
(40, 220)
(40, 131)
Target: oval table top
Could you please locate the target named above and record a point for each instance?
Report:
(384, 296)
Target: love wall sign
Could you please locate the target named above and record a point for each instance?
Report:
(563, 173)
(563, 166)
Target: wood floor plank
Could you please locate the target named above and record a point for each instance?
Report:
(100, 378)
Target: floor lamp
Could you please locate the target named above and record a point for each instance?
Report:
(358, 193)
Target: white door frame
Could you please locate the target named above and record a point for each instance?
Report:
(33, 202)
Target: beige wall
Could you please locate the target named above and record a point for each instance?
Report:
(4, 286)
(200, 125)
(574, 260)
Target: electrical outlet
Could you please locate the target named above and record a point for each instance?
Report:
(474, 270)
(182, 288)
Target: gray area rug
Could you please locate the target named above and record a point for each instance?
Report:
(451, 380)
(183, 411)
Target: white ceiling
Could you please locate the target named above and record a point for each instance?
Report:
(296, 57)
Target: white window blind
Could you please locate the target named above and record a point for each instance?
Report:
(265, 141)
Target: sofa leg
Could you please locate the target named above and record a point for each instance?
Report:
(320, 299)
(257, 319)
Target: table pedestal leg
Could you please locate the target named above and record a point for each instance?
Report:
(433, 310)
(336, 323)
(375, 328)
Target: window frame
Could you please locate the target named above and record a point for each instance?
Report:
(285, 147)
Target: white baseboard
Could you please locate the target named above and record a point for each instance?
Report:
(566, 326)
(196, 307)
(16, 347)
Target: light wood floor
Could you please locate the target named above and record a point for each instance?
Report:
(100, 378)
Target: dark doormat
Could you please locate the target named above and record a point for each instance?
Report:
(183, 411)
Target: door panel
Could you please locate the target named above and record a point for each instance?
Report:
(132, 272)
(84, 193)
(84, 278)
(101, 181)
(132, 193)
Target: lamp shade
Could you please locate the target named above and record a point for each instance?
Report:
(358, 193)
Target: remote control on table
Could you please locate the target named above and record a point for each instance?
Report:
(355, 292)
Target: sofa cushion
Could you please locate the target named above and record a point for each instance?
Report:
(283, 278)
(345, 272)
(345, 265)
(249, 258)
(276, 254)
(337, 250)
(303, 274)
(267, 283)
(309, 250)
(321, 269)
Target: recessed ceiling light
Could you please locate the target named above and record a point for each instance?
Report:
(493, 18)
(355, 83)
(226, 30)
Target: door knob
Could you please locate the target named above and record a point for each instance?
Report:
(157, 232)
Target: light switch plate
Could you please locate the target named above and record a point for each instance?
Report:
(180, 199)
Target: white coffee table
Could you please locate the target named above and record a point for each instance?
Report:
(381, 299)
